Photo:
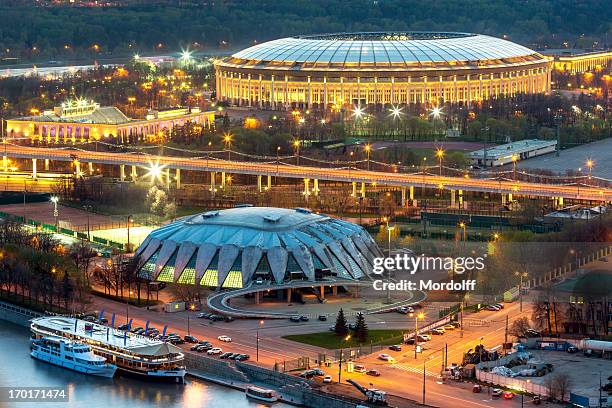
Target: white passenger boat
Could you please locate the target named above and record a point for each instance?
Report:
(72, 355)
(133, 354)
(261, 394)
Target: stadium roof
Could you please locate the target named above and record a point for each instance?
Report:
(388, 49)
(228, 248)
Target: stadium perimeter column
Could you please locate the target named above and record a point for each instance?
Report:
(34, 168)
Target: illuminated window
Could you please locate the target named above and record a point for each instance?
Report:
(167, 272)
(188, 275)
(211, 276)
(234, 277)
(147, 269)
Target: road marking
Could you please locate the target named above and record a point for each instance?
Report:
(416, 370)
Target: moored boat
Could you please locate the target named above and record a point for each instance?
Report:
(72, 355)
(261, 394)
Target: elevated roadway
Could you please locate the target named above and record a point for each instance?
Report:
(349, 175)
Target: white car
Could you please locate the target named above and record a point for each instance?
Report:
(225, 339)
(214, 350)
(327, 379)
(425, 337)
(359, 368)
(386, 357)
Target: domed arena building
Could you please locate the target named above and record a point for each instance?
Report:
(329, 71)
(235, 247)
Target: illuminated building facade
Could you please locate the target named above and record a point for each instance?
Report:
(82, 120)
(578, 61)
(377, 69)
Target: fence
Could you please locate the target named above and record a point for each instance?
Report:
(565, 270)
(40, 226)
(516, 383)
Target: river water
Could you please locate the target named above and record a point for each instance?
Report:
(18, 369)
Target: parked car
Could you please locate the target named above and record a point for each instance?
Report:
(322, 318)
(203, 315)
(374, 373)
(359, 368)
(225, 339)
(492, 308)
(424, 337)
(190, 339)
(508, 395)
(499, 305)
(327, 379)
(572, 349)
(404, 309)
(477, 388)
(449, 327)
(395, 347)
(295, 319)
(123, 326)
(438, 331)
(242, 357)
(228, 319)
(318, 372)
(409, 340)
(225, 355)
(304, 318)
(204, 347)
(496, 392)
(456, 324)
(194, 347)
(307, 374)
(214, 350)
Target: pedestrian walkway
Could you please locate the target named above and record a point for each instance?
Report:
(415, 370)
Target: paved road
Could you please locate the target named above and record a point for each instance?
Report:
(299, 172)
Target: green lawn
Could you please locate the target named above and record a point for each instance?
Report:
(330, 340)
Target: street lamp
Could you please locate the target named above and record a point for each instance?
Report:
(389, 229)
(55, 200)
(440, 156)
(191, 309)
(514, 160)
(296, 144)
(589, 164)
(261, 323)
(418, 316)
(521, 276)
(347, 338)
(227, 140)
(278, 148)
(463, 226)
(130, 219)
(368, 150)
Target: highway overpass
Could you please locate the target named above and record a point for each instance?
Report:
(166, 164)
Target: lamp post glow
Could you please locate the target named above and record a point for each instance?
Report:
(416, 329)
(589, 164)
(463, 227)
(440, 156)
(347, 338)
(296, 144)
(368, 150)
(514, 160)
(227, 140)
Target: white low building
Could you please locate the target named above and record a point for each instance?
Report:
(507, 153)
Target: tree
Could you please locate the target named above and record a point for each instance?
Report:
(558, 385)
(341, 327)
(519, 327)
(361, 329)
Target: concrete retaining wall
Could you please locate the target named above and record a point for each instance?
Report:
(214, 368)
(17, 315)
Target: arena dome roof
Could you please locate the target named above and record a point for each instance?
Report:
(387, 49)
(230, 248)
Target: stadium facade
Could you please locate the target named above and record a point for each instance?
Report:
(379, 68)
(233, 248)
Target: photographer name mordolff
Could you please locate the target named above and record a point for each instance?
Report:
(405, 285)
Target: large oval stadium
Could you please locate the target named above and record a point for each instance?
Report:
(330, 71)
(233, 248)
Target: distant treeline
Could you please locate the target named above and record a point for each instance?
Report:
(35, 32)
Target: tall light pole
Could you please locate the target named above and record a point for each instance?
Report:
(416, 329)
(347, 338)
(368, 150)
(227, 140)
(589, 164)
(55, 200)
(296, 144)
(278, 148)
(463, 227)
(261, 323)
(514, 160)
(191, 309)
(389, 229)
(440, 156)
(521, 275)
(130, 219)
